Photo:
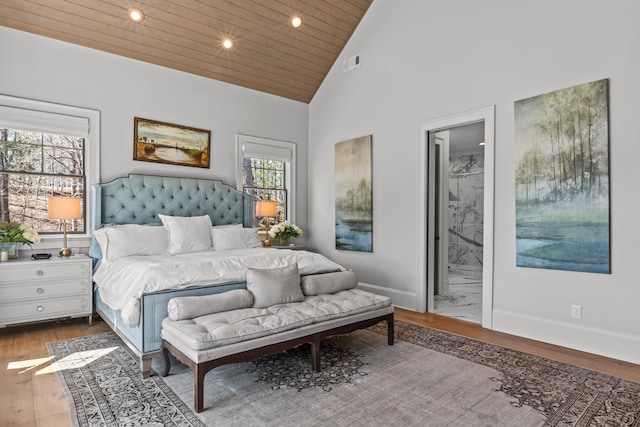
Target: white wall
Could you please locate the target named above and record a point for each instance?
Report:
(120, 88)
(424, 60)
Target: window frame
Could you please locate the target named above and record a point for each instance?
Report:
(92, 164)
(273, 147)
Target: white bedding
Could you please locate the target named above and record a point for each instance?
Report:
(123, 281)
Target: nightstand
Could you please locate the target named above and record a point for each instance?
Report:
(292, 247)
(37, 290)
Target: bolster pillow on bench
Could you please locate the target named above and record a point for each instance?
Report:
(328, 283)
(189, 307)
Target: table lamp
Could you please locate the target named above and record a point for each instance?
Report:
(64, 208)
(266, 209)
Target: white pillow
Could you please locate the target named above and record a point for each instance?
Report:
(274, 286)
(328, 283)
(181, 308)
(131, 239)
(187, 234)
(228, 225)
(227, 238)
(220, 227)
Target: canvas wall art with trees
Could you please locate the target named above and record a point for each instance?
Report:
(354, 194)
(562, 179)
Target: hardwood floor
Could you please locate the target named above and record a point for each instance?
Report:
(30, 394)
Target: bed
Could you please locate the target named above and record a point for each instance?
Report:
(137, 303)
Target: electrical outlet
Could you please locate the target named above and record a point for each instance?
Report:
(576, 311)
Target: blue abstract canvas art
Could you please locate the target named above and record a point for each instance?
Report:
(562, 179)
(354, 208)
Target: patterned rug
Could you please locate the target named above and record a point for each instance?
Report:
(567, 395)
(292, 369)
(428, 378)
(101, 379)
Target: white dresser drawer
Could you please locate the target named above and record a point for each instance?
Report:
(29, 311)
(40, 290)
(26, 272)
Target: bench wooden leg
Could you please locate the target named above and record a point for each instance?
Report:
(390, 330)
(315, 352)
(198, 379)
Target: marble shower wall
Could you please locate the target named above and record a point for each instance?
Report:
(466, 199)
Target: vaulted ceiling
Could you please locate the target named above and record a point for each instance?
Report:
(268, 53)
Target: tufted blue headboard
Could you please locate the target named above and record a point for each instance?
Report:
(138, 199)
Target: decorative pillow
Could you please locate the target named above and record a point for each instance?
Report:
(94, 250)
(131, 239)
(187, 234)
(189, 307)
(328, 283)
(227, 238)
(221, 227)
(228, 226)
(274, 286)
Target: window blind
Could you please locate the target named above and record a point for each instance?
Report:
(42, 121)
(263, 151)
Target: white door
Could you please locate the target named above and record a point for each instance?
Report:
(441, 182)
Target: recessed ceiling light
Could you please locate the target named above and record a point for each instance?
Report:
(227, 43)
(481, 143)
(136, 14)
(296, 21)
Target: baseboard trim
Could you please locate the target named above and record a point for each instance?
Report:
(583, 338)
(401, 299)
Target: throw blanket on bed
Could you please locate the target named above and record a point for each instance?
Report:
(122, 282)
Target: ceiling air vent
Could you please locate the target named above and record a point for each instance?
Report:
(351, 63)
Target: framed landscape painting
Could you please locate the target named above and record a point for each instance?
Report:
(562, 179)
(160, 142)
(354, 208)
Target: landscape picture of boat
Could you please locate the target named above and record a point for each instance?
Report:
(160, 142)
(354, 208)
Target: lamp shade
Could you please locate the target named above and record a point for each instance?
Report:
(265, 208)
(62, 207)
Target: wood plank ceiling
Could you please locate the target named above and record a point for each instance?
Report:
(268, 54)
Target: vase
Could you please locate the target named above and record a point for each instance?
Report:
(11, 248)
(285, 241)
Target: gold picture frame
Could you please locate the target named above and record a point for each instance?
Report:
(161, 142)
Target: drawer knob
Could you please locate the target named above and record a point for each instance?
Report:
(40, 308)
(40, 273)
(40, 291)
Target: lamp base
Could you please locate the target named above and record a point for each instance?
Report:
(266, 243)
(65, 252)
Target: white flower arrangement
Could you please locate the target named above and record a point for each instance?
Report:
(285, 231)
(14, 232)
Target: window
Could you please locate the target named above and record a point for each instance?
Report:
(264, 179)
(46, 150)
(266, 172)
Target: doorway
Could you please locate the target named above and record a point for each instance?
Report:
(458, 176)
(456, 214)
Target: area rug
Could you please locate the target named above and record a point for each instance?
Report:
(101, 379)
(567, 395)
(429, 378)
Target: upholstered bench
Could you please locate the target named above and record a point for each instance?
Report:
(278, 311)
